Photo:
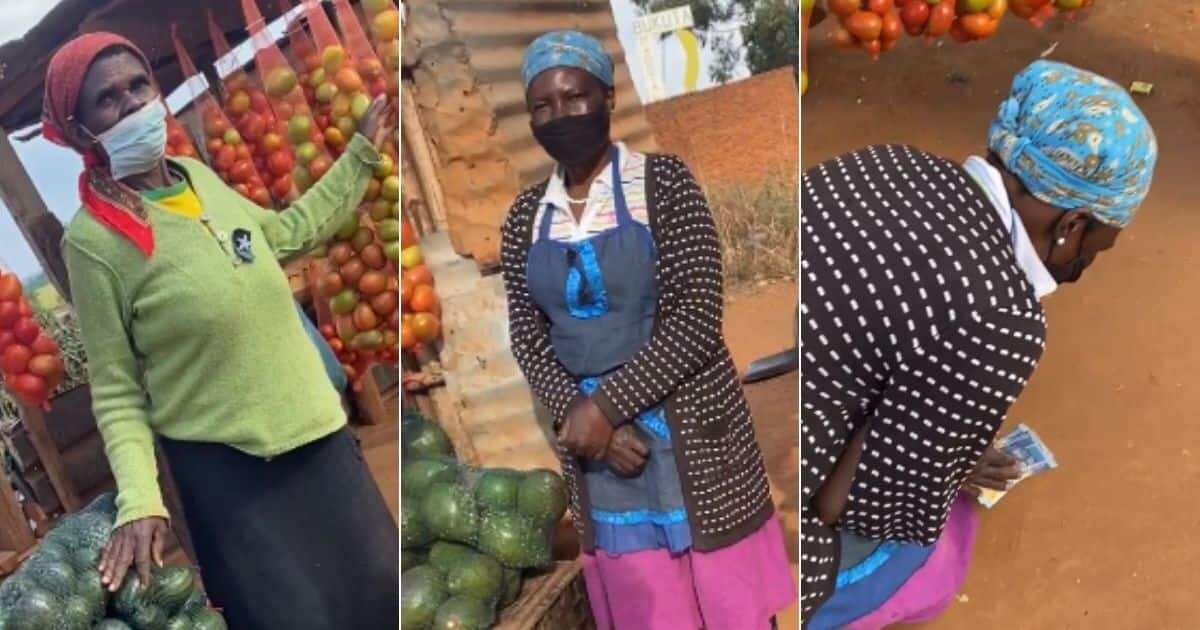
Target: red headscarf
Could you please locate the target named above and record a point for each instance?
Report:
(109, 201)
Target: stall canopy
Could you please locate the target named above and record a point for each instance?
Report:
(145, 22)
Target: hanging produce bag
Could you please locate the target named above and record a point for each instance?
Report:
(294, 114)
(31, 365)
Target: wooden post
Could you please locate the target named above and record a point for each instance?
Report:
(422, 154)
(47, 451)
(15, 535)
(41, 229)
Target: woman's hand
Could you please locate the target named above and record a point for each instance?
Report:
(995, 471)
(138, 542)
(626, 453)
(585, 431)
(379, 121)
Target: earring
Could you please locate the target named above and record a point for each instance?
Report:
(1061, 241)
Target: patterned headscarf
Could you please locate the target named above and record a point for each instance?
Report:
(1076, 141)
(112, 203)
(570, 49)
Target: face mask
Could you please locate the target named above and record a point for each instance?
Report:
(573, 140)
(138, 142)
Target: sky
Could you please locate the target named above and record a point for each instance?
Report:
(55, 170)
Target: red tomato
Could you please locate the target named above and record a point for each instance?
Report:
(280, 163)
(282, 187)
(242, 172)
(214, 145)
(175, 135)
(253, 127)
(9, 314)
(318, 167)
(24, 308)
(322, 121)
(225, 158)
(260, 196)
(44, 344)
(259, 103)
(284, 111)
(32, 388)
(16, 359)
(271, 142)
(243, 152)
(242, 190)
(6, 339)
(27, 330)
(10, 287)
(46, 366)
(216, 126)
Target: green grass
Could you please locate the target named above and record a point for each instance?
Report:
(759, 228)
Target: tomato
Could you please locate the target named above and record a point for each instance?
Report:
(407, 235)
(45, 365)
(27, 330)
(418, 275)
(915, 15)
(24, 308)
(318, 167)
(272, 142)
(261, 196)
(282, 187)
(864, 25)
(327, 331)
(242, 190)
(284, 111)
(940, 19)
(280, 163)
(424, 299)
(15, 359)
(253, 127)
(9, 314)
(406, 291)
(216, 126)
(175, 135)
(242, 172)
(337, 344)
(225, 158)
(243, 152)
(365, 317)
(844, 8)
(188, 152)
(408, 338)
(880, 7)
(239, 102)
(385, 303)
(426, 327)
(892, 27)
(44, 344)
(32, 387)
(6, 339)
(958, 33)
(259, 103)
(10, 287)
(979, 25)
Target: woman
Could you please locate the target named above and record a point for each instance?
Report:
(922, 323)
(192, 334)
(613, 274)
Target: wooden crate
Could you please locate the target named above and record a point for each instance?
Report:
(556, 600)
(379, 400)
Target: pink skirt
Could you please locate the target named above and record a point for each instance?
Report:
(932, 587)
(739, 587)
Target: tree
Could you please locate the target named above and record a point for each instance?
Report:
(770, 32)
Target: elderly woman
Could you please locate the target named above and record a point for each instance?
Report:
(922, 323)
(613, 274)
(192, 334)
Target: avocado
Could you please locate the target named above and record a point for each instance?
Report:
(443, 555)
(413, 531)
(422, 591)
(463, 613)
(542, 496)
(450, 512)
(514, 540)
(477, 576)
(497, 490)
(420, 473)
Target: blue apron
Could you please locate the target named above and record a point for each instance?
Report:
(600, 298)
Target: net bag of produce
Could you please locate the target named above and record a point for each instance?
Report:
(287, 101)
(31, 364)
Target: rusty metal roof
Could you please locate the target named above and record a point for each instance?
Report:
(145, 22)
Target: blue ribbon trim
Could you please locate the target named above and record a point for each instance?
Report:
(869, 565)
(637, 517)
(655, 421)
(590, 281)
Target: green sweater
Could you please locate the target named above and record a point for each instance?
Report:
(196, 345)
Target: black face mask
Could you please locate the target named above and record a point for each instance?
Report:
(574, 140)
(1065, 273)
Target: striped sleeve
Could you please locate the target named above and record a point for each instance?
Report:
(688, 330)
(528, 330)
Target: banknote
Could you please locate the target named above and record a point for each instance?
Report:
(1031, 453)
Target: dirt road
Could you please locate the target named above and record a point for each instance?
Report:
(1110, 540)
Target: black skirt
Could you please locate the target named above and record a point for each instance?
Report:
(303, 541)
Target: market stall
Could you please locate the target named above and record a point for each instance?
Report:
(236, 102)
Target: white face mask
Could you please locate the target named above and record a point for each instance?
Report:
(138, 142)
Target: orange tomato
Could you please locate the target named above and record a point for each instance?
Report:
(260, 196)
(10, 287)
(406, 292)
(418, 276)
(979, 25)
(844, 8)
(408, 338)
(242, 172)
(318, 167)
(280, 163)
(407, 235)
(426, 327)
(424, 299)
(864, 25)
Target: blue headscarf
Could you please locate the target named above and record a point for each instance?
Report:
(1076, 141)
(570, 49)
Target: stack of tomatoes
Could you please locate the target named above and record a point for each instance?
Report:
(421, 323)
(362, 287)
(872, 25)
(250, 113)
(30, 361)
(384, 20)
(232, 159)
(1038, 12)
(929, 18)
(178, 142)
(977, 19)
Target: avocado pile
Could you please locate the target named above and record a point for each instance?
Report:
(467, 533)
(59, 587)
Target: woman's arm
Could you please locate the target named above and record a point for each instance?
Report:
(691, 301)
(118, 400)
(528, 332)
(321, 210)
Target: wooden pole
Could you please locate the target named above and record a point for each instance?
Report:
(47, 451)
(15, 535)
(422, 154)
(41, 229)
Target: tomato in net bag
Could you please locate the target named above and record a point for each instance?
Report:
(294, 115)
(31, 364)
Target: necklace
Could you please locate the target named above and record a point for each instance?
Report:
(577, 201)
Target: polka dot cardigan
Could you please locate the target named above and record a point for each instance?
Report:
(686, 366)
(917, 322)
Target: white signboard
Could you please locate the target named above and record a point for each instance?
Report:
(243, 53)
(664, 21)
(648, 28)
(187, 92)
